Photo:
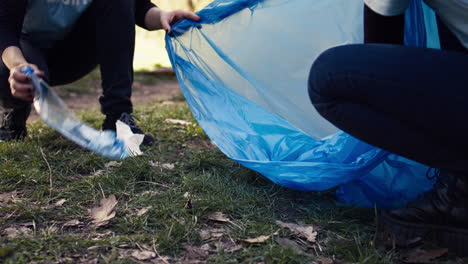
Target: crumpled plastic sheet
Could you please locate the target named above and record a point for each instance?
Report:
(243, 70)
(56, 114)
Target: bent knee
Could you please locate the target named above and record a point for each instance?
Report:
(325, 69)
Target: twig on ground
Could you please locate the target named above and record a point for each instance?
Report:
(50, 172)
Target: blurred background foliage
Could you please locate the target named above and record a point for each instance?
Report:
(150, 50)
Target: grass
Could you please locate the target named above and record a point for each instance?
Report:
(46, 168)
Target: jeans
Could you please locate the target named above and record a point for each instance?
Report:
(409, 101)
(105, 36)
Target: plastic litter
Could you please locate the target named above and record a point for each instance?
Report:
(56, 114)
(243, 70)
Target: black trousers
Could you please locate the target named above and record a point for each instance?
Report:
(409, 101)
(105, 36)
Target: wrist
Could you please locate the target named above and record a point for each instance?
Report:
(13, 57)
(153, 18)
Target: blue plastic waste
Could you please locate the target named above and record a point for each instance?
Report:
(243, 70)
(56, 114)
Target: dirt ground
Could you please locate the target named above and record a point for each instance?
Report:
(164, 89)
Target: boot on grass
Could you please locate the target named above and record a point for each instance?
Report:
(13, 123)
(109, 124)
(441, 214)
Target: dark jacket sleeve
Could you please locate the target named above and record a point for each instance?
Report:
(142, 6)
(11, 21)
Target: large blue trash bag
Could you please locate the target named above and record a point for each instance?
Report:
(243, 70)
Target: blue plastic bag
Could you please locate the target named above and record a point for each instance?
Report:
(56, 114)
(243, 70)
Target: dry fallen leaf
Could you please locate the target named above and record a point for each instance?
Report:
(148, 193)
(194, 253)
(143, 254)
(177, 122)
(422, 256)
(106, 211)
(15, 231)
(288, 243)
(7, 197)
(72, 223)
(259, 239)
(60, 202)
(157, 164)
(323, 260)
(113, 164)
(232, 248)
(301, 230)
(162, 260)
(219, 217)
(143, 211)
(98, 173)
(211, 233)
(227, 247)
(188, 204)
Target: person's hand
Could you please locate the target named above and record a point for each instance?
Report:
(170, 18)
(20, 84)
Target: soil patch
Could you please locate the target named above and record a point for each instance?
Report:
(165, 87)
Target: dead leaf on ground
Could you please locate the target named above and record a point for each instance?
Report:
(227, 247)
(194, 253)
(219, 217)
(149, 193)
(106, 211)
(188, 204)
(9, 197)
(157, 164)
(72, 223)
(302, 230)
(98, 173)
(143, 254)
(177, 122)
(162, 260)
(423, 256)
(323, 260)
(288, 243)
(112, 164)
(6, 197)
(50, 230)
(256, 240)
(143, 211)
(99, 236)
(60, 202)
(16, 231)
(232, 248)
(211, 233)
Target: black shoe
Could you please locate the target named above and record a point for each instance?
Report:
(13, 123)
(440, 214)
(109, 124)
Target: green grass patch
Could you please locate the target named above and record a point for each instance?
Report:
(46, 168)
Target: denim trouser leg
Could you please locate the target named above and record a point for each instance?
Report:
(409, 101)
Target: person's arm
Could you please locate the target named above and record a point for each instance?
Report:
(11, 22)
(152, 17)
(384, 21)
